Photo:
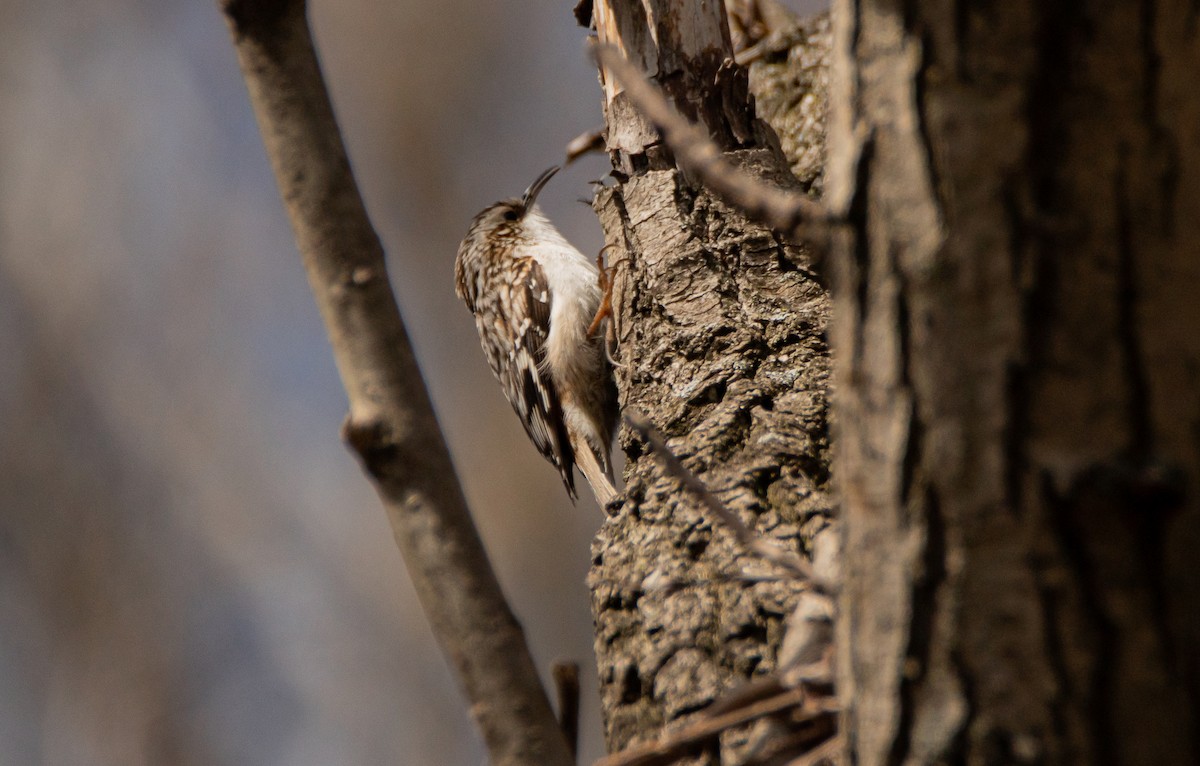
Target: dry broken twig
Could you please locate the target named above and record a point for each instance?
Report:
(757, 28)
(667, 748)
(789, 213)
(746, 537)
(566, 688)
(391, 424)
(825, 753)
(585, 143)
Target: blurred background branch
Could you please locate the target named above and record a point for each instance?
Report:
(391, 423)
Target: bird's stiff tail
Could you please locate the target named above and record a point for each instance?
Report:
(597, 477)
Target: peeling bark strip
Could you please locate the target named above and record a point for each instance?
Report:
(391, 423)
(721, 345)
(1017, 335)
(685, 47)
(789, 212)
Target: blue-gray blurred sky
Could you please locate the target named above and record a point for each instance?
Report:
(192, 568)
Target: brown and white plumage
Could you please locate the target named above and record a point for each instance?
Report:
(533, 296)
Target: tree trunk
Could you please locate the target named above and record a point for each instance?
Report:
(721, 344)
(1017, 336)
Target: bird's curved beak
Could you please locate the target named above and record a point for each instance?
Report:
(530, 195)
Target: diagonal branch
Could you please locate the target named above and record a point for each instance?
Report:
(756, 544)
(391, 424)
(789, 213)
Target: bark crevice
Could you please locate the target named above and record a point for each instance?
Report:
(1019, 282)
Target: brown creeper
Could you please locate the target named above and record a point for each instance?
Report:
(534, 296)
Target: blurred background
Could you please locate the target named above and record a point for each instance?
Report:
(193, 569)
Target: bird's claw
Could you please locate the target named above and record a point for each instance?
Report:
(605, 311)
(606, 286)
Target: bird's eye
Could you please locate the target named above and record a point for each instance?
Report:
(510, 215)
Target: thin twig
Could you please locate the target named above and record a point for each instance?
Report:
(566, 688)
(827, 751)
(391, 424)
(668, 747)
(585, 143)
(790, 213)
(746, 537)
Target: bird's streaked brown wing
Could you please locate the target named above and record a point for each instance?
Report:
(525, 304)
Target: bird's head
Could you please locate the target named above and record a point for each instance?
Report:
(508, 218)
(501, 229)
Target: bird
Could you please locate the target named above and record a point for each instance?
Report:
(534, 297)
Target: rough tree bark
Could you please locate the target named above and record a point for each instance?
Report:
(1017, 336)
(720, 326)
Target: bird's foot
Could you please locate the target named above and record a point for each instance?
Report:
(606, 286)
(605, 312)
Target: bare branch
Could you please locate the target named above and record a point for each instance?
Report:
(746, 537)
(790, 213)
(391, 424)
